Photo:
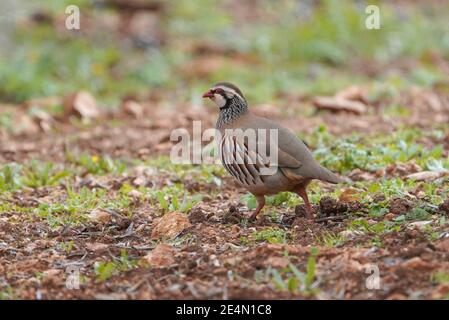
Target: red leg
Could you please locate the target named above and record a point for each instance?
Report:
(301, 191)
(260, 204)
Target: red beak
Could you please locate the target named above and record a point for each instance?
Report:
(208, 94)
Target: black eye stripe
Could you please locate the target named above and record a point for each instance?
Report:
(219, 91)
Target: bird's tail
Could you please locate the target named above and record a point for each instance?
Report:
(328, 176)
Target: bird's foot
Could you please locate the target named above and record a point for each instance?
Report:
(253, 216)
(309, 213)
(305, 211)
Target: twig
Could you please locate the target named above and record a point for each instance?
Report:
(330, 218)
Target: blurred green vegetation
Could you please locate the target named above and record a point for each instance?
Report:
(297, 47)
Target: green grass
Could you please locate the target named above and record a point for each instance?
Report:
(440, 277)
(293, 53)
(105, 270)
(291, 278)
(271, 235)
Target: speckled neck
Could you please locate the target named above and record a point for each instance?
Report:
(233, 109)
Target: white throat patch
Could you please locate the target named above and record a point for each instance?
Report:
(219, 100)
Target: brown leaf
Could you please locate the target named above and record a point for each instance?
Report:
(161, 256)
(170, 225)
(96, 246)
(359, 175)
(415, 263)
(349, 195)
(427, 175)
(354, 93)
(82, 104)
(339, 104)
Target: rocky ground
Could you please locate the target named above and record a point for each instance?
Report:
(91, 196)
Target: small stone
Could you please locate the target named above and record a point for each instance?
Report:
(389, 216)
(135, 193)
(133, 108)
(420, 224)
(161, 256)
(99, 215)
(82, 104)
(170, 225)
(140, 181)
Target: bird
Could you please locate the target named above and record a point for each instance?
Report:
(251, 166)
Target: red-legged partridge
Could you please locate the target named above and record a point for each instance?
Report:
(251, 163)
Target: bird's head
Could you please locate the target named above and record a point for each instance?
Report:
(225, 95)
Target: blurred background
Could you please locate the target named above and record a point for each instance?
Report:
(86, 118)
(174, 50)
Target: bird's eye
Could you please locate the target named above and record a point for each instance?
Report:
(219, 91)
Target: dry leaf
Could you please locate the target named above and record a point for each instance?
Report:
(170, 225)
(354, 93)
(339, 104)
(96, 246)
(349, 195)
(427, 175)
(415, 263)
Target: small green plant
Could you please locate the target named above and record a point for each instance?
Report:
(7, 294)
(271, 235)
(293, 280)
(417, 214)
(98, 165)
(168, 198)
(10, 178)
(67, 246)
(440, 277)
(42, 174)
(105, 270)
(331, 240)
